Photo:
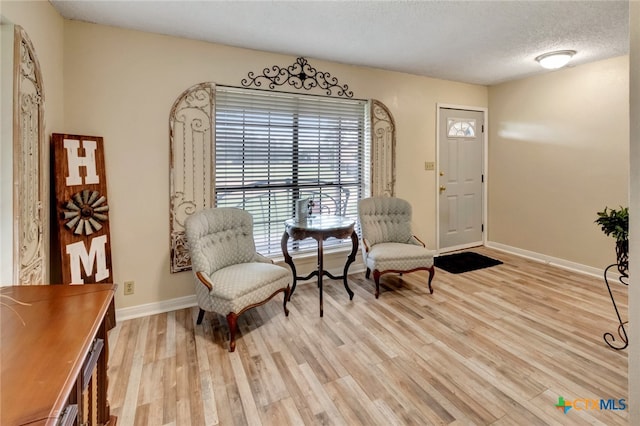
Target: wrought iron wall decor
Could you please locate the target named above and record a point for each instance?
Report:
(383, 150)
(29, 166)
(191, 140)
(300, 75)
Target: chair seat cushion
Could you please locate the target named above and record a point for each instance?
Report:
(398, 256)
(236, 281)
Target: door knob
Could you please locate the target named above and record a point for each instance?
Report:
(443, 188)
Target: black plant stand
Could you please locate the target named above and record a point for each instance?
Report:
(609, 338)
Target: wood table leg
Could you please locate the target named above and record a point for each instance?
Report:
(289, 261)
(350, 260)
(320, 273)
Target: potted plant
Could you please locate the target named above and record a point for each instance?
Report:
(616, 224)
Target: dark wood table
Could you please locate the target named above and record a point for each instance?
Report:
(320, 228)
(55, 354)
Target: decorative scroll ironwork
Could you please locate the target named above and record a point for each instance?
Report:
(29, 192)
(622, 255)
(300, 75)
(191, 140)
(383, 150)
(609, 338)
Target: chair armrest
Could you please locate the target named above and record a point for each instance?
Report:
(418, 240)
(366, 246)
(262, 259)
(204, 279)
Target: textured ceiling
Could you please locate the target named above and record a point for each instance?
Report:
(469, 41)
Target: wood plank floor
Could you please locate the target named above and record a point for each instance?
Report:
(497, 346)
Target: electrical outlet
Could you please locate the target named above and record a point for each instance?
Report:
(129, 287)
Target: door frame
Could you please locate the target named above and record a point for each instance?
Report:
(485, 172)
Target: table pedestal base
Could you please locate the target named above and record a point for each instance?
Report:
(320, 272)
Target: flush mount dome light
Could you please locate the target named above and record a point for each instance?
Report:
(555, 60)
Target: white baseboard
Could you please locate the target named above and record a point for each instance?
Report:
(550, 260)
(190, 301)
(460, 247)
(155, 308)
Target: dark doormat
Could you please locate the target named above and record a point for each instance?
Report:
(464, 262)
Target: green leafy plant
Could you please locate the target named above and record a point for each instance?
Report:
(615, 223)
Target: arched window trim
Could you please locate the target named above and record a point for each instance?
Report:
(383, 150)
(191, 135)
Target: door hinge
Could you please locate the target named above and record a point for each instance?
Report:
(482, 228)
(483, 128)
(482, 180)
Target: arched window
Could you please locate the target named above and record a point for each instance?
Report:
(262, 150)
(460, 128)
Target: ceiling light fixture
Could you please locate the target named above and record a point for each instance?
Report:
(555, 60)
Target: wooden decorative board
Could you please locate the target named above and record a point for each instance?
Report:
(82, 209)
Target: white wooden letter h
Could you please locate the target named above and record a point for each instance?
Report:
(74, 162)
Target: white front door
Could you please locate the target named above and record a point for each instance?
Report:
(460, 178)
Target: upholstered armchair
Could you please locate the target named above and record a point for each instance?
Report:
(230, 276)
(387, 242)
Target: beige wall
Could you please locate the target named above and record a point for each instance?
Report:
(121, 84)
(554, 160)
(558, 153)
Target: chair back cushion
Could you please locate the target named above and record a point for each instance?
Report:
(220, 237)
(385, 219)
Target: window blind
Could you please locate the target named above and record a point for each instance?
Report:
(273, 148)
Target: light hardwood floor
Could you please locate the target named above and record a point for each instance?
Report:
(496, 346)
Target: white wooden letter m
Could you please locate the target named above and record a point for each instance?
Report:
(97, 255)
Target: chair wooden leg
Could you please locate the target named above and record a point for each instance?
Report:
(432, 271)
(287, 292)
(232, 320)
(200, 316)
(376, 278)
